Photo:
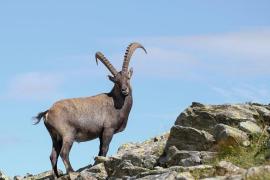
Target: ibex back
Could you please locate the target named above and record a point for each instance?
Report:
(84, 119)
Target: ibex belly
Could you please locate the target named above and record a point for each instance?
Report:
(88, 131)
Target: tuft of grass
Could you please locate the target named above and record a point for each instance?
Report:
(260, 177)
(202, 173)
(258, 153)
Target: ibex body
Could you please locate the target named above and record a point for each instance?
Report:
(83, 119)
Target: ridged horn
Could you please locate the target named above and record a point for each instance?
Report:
(130, 50)
(106, 62)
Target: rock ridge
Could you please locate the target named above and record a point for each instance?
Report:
(196, 138)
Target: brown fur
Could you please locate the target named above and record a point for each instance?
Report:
(84, 119)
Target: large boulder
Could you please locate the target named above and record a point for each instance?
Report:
(227, 135)
(188, 138)
(175, 157)
(224, 168)
(126, 168)
(206, 117)
(250, 127)
(134, 158)
(98, 171)
(259, 172)
(264, 111)
(229, 177)
(171, 175)
(145, 154)
(153, 146)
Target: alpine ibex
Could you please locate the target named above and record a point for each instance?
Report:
(84, 119)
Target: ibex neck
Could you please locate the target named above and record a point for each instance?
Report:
(119, 99)
(123, 104)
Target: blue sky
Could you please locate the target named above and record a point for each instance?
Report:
(207, 51)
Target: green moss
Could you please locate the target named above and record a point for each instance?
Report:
(256, 154)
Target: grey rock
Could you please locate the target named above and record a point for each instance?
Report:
(227, 168)
(206, 117)
(264, 111)
(230, 177)
(3, 176)
(17, 178)
(126, 168)
(184, 176)
(228, 135)
(153, 172)
(77, 176)
(188, 138)
(48, 175)
(175, 157)
(262, 172)
(203, 170)
(206, 170)
(168, 176)
(250, 127)
(145, 154)
(110, 163)
(154, 146)
(98, 171)
(207, 155)
(101, 159)
(147, 161)
(134, 156)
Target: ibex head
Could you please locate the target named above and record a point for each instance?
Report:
(121, 79)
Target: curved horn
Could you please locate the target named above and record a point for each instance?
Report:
(130, 50)
(106, 62)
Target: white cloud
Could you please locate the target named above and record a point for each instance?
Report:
(205, 58)
(33, 86)
(247, 43)
(239, 53)
(215, 60)
(242, 93)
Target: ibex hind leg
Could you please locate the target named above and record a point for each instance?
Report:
(64, 153)
(56, 148)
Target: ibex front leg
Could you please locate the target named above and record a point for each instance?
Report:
(105, 140)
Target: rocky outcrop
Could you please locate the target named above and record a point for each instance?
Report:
(185, 152)
(227, 135)
(185, 158)
(188, 138)
(224, 168)
(250, 127)
(206, 117)
(3, 176)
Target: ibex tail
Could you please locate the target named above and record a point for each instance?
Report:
(38, 118)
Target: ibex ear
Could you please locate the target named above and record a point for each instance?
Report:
(111, 78)
(130, 72)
